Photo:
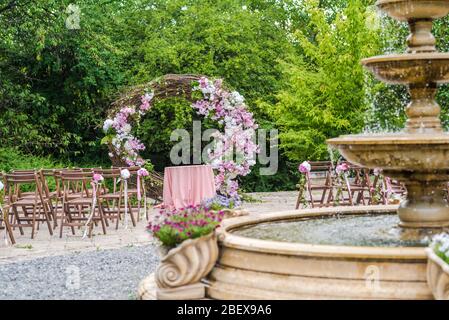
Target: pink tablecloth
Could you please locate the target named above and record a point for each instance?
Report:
(188, 185)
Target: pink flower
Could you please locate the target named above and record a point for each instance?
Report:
(342, 168)
(377, 171)
(142, 172)
(304, 167)
(97, 178)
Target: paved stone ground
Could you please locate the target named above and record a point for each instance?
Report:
(109, 266)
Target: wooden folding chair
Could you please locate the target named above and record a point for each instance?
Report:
(393, 187)
(343, 189)
(132, 188)
(78, 207)
(359, 187)
(111, 197)
(322, 169)
(4, 215)
(29, 207)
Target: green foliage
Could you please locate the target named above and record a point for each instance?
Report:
(56, 82)
(13, 159)
(216, 38)
(325, 88)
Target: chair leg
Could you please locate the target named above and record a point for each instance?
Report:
(133, 219)
(102, 218)
(47, 219)
(17, 218)
(119, 206)
(8, 227)
(55, 210)
(297, 201)
(33, 227)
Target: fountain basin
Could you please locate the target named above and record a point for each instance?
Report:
(250, 268)
(416, 68)
(405, 10)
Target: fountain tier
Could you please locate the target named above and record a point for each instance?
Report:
(421, 72)
(420, 161)
(419, 15)
(417, 68)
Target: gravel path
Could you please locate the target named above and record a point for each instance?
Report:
(103, 274)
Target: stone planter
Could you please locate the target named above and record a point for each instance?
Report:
(179, 274)
(437, 275)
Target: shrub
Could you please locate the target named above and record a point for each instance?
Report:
(172, 227)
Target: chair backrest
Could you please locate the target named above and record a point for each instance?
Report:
(112, 178)
(15, 181)
(320, 165)
(76, 181)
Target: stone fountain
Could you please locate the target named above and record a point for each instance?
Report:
(418, 156)
(373, 252)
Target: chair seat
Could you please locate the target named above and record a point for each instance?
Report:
(27, 202)
(108, 196)
(79, 201)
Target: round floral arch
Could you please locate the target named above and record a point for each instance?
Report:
(209, 98)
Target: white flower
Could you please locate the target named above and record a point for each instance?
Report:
(149, 96)
(116, 142)
(251, 163)
(1, 186)
(107, 125)
(236, 98)
(126, 128)
(227, 105)
(125, 174)
(228, 120)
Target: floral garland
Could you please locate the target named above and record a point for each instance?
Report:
(304, 169)
(228, 109)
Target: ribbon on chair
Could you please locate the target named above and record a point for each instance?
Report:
(125, 174)
(96, 180)
(139, 195)
(141, 173)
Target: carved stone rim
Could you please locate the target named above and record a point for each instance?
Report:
(227, 238)
(188, 242)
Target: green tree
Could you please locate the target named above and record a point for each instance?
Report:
(326, 88)
(56, 81)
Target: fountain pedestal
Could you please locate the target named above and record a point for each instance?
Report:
(426, 205)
